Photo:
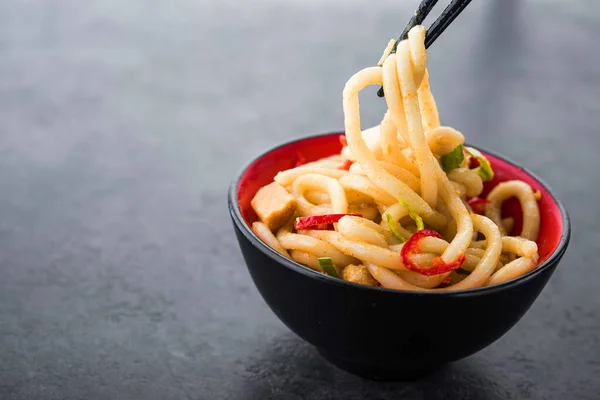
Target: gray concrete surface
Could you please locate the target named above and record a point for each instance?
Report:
(122, 123)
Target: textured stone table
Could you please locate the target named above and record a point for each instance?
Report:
(122, 123)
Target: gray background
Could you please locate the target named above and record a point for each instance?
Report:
(122, 123)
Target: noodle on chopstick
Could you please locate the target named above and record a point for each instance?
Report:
(399, 206)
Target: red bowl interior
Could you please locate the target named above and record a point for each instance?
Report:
(263, 169)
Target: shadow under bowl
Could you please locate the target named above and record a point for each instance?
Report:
(387, 334)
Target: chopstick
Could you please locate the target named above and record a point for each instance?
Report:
(447, 16)
(417, 19)
(445, 19)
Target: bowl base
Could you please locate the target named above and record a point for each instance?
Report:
(377, 372)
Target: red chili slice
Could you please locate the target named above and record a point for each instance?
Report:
(299, 159)
(438, 266)
(316, 220)
(343, 140)
(346, 164)
(478, 204)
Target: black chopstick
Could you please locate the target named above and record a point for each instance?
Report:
(417, 19)
(445, 19)
(449, 14)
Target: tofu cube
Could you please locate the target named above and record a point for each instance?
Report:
(274, 205)
(358, 274)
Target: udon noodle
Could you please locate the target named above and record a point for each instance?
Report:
(399, 206)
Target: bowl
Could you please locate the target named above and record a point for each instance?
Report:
(379, 333)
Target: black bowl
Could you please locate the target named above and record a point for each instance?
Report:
(379, 333)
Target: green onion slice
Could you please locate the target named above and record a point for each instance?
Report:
(328, 267)
(416, 217)
(453, 159)
(394, 228)
(484, 170)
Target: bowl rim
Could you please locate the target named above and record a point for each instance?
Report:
(236, 214)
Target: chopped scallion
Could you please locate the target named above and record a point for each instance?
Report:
(453, 159)
(416, 217)
(328, 267)
(394, 228)
(484, 170)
